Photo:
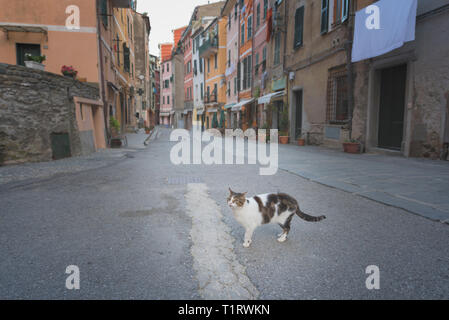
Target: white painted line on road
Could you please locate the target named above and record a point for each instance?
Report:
(219, 273)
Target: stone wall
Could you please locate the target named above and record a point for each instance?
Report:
(33, 106)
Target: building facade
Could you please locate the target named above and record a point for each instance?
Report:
(213, 51)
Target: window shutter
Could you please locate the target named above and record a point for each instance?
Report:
(344, 10)
(299, 26)
(324, 16)
(126, 61)
(104, 12)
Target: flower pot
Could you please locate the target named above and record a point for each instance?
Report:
(71, 76)
(350, 147)
(283, 139)
(301, 142)
(35, 65)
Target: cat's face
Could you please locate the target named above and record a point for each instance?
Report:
(236, 200)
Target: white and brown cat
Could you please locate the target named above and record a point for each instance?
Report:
(266, 208)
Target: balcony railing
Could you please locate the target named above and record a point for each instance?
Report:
(210, 99)
(209, 47)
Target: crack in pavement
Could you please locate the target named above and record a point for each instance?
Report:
(219, 273)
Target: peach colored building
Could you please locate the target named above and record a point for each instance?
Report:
(96, 37)
(39, 28)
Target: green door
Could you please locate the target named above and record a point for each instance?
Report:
(60, 146)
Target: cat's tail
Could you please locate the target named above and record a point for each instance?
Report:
(308, 218)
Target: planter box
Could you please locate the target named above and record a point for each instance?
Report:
(35, 65)
(301, 142)
(353, 148)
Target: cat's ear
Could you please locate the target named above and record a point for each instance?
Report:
(232, 192)
(245, 193)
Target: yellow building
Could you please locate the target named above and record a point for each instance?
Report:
(213, 51)
(123, 48)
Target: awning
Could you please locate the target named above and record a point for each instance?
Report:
(228, 106)
(267, 98)
(200, 112)
(239, 105)
(213, 110)
(164, 114)
(22, 28)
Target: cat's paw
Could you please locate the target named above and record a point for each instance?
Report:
(282, 238)
(246, 244)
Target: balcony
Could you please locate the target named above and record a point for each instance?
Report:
(209, 47)
(210, 98)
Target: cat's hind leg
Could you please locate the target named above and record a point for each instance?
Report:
(286, 229)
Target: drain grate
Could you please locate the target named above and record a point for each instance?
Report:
(183, 180)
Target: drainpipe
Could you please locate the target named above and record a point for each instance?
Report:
(349, 65)
(101, 72)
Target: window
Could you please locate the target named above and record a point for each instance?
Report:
(265, 8)
(195, 69)
(168, 99)
(126, 61)
(201, 65)
(258, 15)
(277, 48)
(324, 16)
(163, 99)
(229, 88)
(229, 58)
(215, 92)
(168, 67)
(202, 91)
(243, 33)
(235, 85)
(337, 97)
(229, 21)
(257, 64)
(25, 48)
(215, 61)
(299, 27)
(250, 27)
(247, 73)
(235, 11)
(341, 10)
(208, 64)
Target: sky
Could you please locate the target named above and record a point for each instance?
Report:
(165, 16)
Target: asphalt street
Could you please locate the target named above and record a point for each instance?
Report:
(139, 227)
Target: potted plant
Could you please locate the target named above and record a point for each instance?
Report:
(283, 127)
(35, 62)
(147, 130)
(301, 141)
(69, 71)
(352, 146)
(116, 142)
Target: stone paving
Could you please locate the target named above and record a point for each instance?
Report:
(420, 186)
(23, 173)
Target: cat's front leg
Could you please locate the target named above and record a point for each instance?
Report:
(248, 237)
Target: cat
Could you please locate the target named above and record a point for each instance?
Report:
(263, 209)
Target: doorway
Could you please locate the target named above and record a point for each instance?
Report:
(392, 107)
(298, 114)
